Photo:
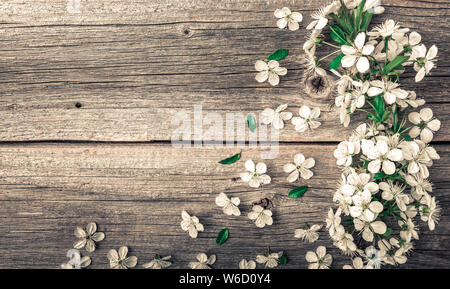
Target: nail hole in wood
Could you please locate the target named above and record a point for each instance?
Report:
(78, 105)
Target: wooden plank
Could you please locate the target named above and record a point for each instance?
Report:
(132, 65)
(136, 193)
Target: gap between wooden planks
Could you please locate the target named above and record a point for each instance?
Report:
(135, 192)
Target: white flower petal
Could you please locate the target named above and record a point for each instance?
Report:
(348, 61)
(262, 76)
(261, 168)
(250, 166)
(261, 65)
(360, 40)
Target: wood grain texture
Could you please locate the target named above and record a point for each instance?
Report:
(135, 64)
(136, 193)
(132, 65)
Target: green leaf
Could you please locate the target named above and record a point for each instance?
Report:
(283, 260)
(399, 60)
(222, 236)
(231, 160)
(251, 122)
(336, 62)
(298, 192)
(379, 176)
(346, 17)
(378, 103)
(358, 15)
(278, 55)
(367, 18)
(341, 22)
(338, 35)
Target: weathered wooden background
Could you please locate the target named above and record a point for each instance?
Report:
(86, 106)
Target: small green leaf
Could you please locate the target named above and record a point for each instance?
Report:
(399, 60)
(367, 18)
(231, 160)
(278, 55)
(283, 260)
(336, 62)
(222, 236)
(378, 103)
(251, 122)
(298, 192)
(358, 15)
(379, 176)
(338, 35)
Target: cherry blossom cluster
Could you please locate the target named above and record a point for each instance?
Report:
(384, 184)
(368, 63)
(385, 176)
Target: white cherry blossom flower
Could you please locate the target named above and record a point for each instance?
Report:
(244, 264)
(203, 262)
(357, 263)
(256, 174)
(408, 230)
(191, 224)
(375, 5)
(119, 260)
(357, 54)
(381, 156)
(288, 18)
(410, 41)
(276, 116)
(319, 259)
(333, 220)
(373, 258)
(158, 262)
(261, 216)
(391, 255)
(424, 61)
(271, 260)
(395, 192)
(362, 132)
(394, 49)
(312, 65)
(345, 82)
(365, 206)
(270, 71)
(306, 120)
(424, 123)
(403, 247)
(388, 28)
(419, 185)
(345, 152)
(75, 260)
(344, 241)
(308, 234)
(311, 42)
(410, 100)
(88, 238)
(419, 160)
(229, 205)
(389, 89)
(369, 227)
(301, 167)
(320, 17)
(430, 211)
(356, 183)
